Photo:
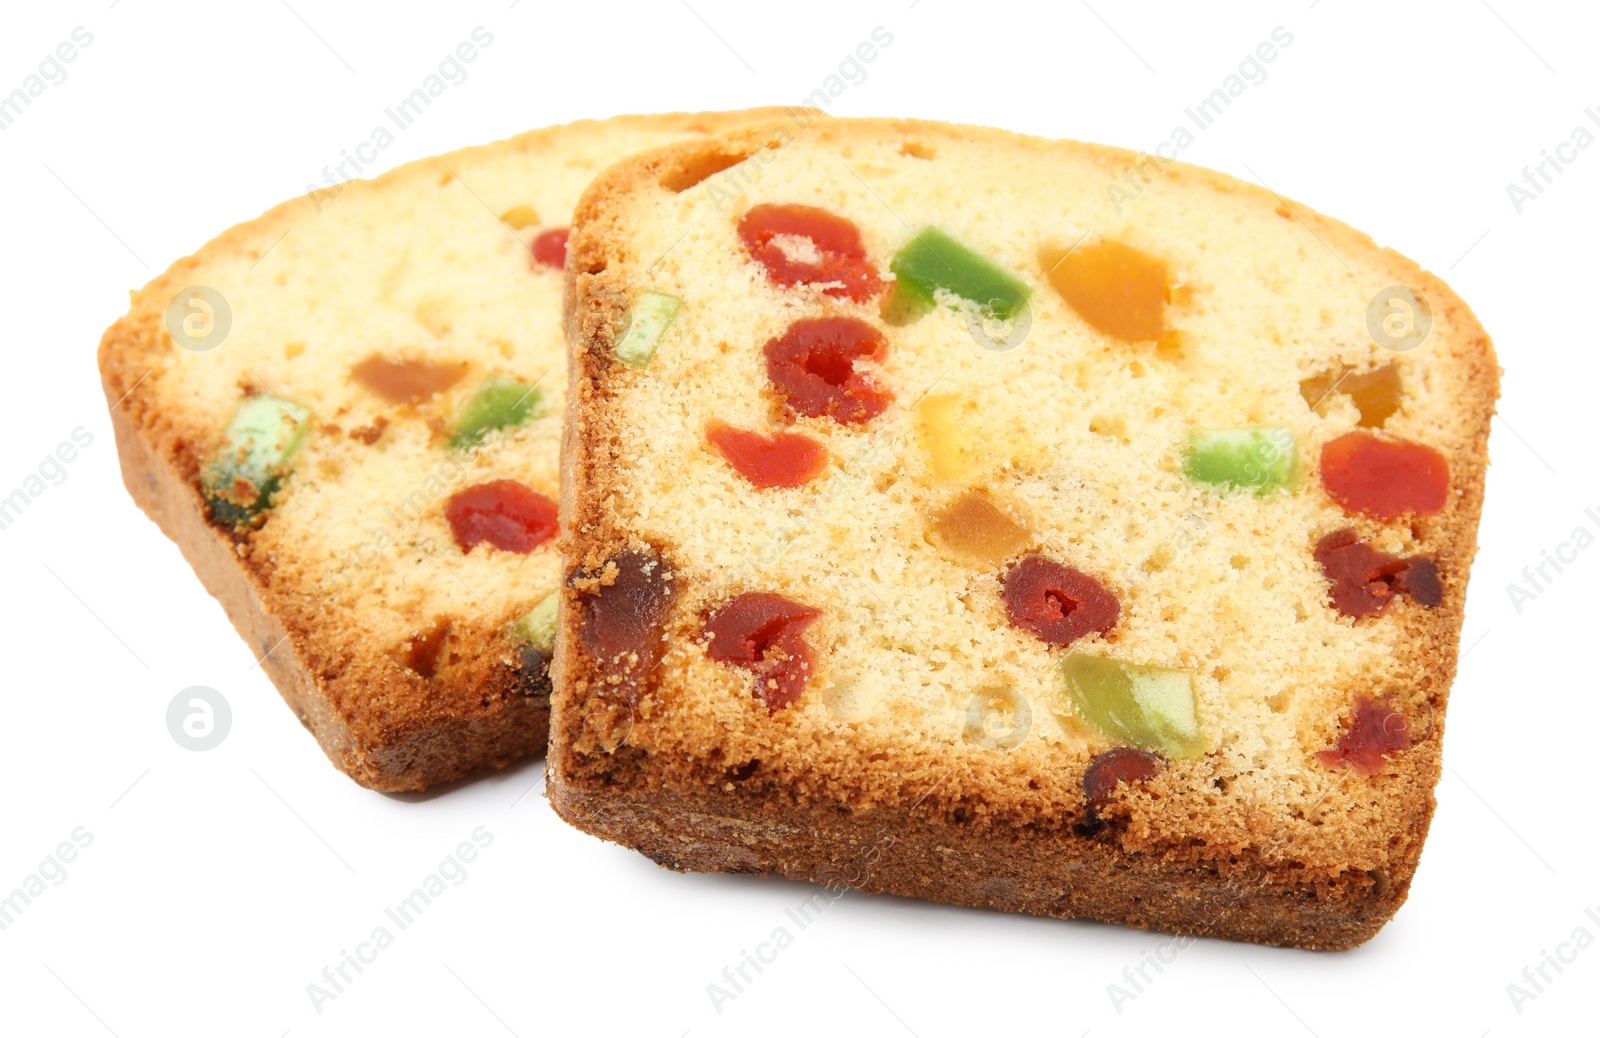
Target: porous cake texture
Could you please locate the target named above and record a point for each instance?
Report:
(938, 522)
(347, 414)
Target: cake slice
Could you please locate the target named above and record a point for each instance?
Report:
(1011, 523)
(347, 414)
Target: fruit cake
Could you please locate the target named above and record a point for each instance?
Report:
(347, 414)
(1011, 523)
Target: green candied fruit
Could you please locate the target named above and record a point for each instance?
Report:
(651, 314)
(933, 260)
(1135, 704)
(537, 627)
(250, 464)
(500, 402)
(1258, 457)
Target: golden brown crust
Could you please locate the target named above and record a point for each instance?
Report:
(915, 853)
(961, 829)
(377, 720)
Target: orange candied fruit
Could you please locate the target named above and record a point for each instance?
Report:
(1376, 394)
(973, 527)
(1118, 289)
(406, 381)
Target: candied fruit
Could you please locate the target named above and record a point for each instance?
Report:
(520, 216)
(813, 364)
(1376, 394)
(804, 245)
(623, 610)
(933, 260)
(1136, 704)
(973, 527)
(1259, 458)
(784, 459)
(1384, 478)
(761, 632)
(533, 639)
(946, 437)
(1374, 730)
(1117, 765)
(504, 513)
(1362, 579)
(649, 316)
(422, 651)
(406, 381)
(501, 402)
(1056, 602)
(1118, 289)
(249, 466)
(550, 248)
(537, 627)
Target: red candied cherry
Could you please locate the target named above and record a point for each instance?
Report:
(784, 459)
(1362, 579)
(1375, 730)
(550, 248)
(1056, 602)
(505, 513)
(813, 364)
(761, 632)
(804, 245)
(1119, 764)
(1383, 477)
(624, 605)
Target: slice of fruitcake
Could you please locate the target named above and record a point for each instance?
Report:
(942, 522)
(347, 413)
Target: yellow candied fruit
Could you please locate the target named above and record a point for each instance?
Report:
(437, 314)
(973, 527)
(520, 216)
(1118, 289)
(946, 437)
(1376, 394)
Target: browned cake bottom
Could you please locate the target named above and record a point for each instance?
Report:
(1056, 873)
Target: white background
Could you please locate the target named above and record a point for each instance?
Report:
(219, 884)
